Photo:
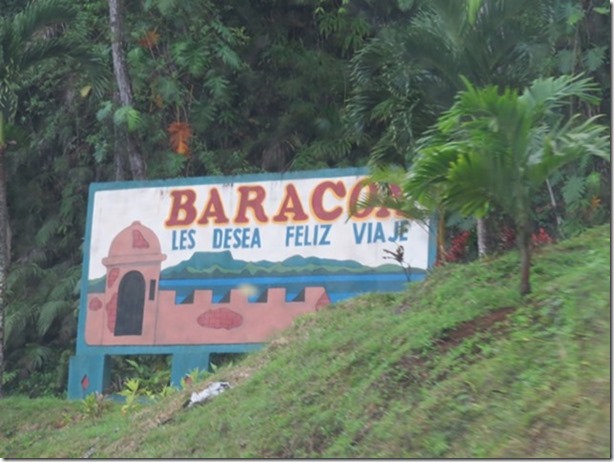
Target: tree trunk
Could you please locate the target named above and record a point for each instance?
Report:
(5, 257)
(120, 69)
(524, 245)
(120, 154)
(554, 208)
(482, 237)
(441, 237)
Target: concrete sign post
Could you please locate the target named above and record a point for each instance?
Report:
(195, 266)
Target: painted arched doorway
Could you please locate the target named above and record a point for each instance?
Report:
(130, 304)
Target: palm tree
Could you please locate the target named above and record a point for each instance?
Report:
(27, 40)
(409, 74)
(496, 148)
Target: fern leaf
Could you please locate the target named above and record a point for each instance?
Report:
(594, 57)
(104, 111)
(180, 133)
(127, 116)
(573, 190)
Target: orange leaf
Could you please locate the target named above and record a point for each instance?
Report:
(150, 39)
(180, 133)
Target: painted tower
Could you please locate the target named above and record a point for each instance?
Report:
(129, 305)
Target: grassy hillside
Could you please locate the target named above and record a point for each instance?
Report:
(458, 366)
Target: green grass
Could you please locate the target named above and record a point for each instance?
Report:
(458, 366)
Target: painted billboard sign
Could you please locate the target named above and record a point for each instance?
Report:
(200, 265)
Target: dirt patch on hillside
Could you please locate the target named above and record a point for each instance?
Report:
(453, 337)
(417, 367)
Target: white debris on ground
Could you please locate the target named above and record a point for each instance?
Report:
(210, 392)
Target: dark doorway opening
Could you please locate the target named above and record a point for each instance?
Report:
(130, 304)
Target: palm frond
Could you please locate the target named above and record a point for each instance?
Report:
(468, 185)
(567, 143)
(33, 356)
(17, 319)
(29, 39)
(29, 26)
(28, 271)
(51, 311)
(552, 93)
(386, 189)
(494, 146)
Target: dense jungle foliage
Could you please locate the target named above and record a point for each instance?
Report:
(223, 88)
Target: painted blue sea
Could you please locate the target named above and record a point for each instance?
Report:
(338, 286)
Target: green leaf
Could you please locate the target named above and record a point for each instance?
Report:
(228, 56)
(173, 165)
(203, 114)
(127, 116)
(594, 58)
(104, 111)
(575, 13)
(169, 90)
(218, 86)
(191, 56)
(593, 182)
(573, 190)
(473, 6)
(100, 151)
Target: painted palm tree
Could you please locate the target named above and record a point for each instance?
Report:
(497, 148)
(27, 40)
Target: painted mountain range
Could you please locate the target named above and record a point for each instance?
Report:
(213, 265)
(223, 264)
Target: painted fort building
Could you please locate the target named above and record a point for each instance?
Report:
(133, 310)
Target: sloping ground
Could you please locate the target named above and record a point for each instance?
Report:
(458, 366)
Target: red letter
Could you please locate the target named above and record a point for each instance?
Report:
(183, 202)
(317, 200)
(382, 212)
(355, 195)
(213, 209)
(254, 202)
(291, 204)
